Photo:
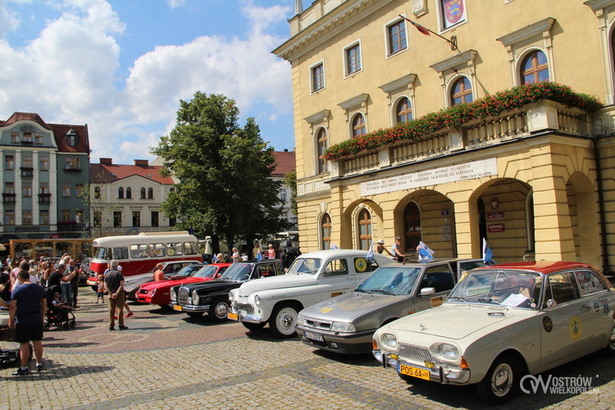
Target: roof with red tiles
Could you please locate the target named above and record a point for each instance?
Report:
(285, 163)
(105, 172)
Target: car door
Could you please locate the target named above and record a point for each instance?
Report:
(567, 327)
(439, 277)
(335, 279)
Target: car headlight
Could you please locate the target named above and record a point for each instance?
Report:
(153, 292)
(173, 295)
(231, 298)
(257, 301)
(342, 327)
(389, 340)
(445, 351)
(195, 298)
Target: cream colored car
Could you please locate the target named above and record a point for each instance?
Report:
(502, 322)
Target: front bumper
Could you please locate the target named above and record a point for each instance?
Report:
(347, 343)
(437, 373)
(190, 308)
(244, 312)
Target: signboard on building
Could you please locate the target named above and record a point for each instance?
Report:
(460, 172)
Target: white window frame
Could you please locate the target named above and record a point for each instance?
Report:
(313, 90)
(387, 42)
(441, 25)
(347, 73)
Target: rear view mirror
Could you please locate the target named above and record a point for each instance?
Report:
(427, 291)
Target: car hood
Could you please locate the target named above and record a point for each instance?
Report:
(276, 282)
(134, 281)
(171, 283)
(350, 306)
(216, 285)
(456, 321)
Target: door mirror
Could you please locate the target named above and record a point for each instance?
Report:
(427, 291)
(551, 303)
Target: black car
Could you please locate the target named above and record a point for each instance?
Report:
(212, 296)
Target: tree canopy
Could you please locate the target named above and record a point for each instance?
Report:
(224, 171)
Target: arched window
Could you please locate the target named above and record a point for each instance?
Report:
(128, 193)
(365, 229)
(358, 126)
(321, 143)
(142, 193)
(403, 111)
(461, 92)
(150, 193)
(534, 68)
(120, 193)
(97, 192)
(325, 232)
(412, 226)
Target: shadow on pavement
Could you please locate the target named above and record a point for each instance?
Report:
(365, 359)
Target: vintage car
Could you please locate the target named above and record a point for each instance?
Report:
(502, 322)
(346, 323)
(312, 278)
(212, 297)
(158, 293)
(173, 270)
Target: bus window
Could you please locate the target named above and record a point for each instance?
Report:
(157, 250)
(138, 251)
(190, 248)
(120, 253)
(174, 249)
(103, 253)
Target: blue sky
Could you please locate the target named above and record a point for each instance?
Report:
(121, 66)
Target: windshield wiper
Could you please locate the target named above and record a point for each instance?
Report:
(362, 291)
(458, 298)
(384, 292)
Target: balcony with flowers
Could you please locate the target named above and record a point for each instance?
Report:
(516, 113)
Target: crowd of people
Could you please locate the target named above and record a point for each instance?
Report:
(285, 252)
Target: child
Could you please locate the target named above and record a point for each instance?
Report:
(58, 307)
(100, 293)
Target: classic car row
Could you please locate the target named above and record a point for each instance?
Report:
(447, 321)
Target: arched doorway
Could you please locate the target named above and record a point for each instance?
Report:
(412, 227)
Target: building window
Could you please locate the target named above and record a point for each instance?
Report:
(26, 161)
(403, 112)
(38, 139)
(358, 126)
(27, 138)
(396, 34)
(72, 163)
(461, 92)
(9, 162)
(79, 190)
(97, 218)
(365, 230)
(353, 59)
(453, 12)
(97, 192)
(44, 187)
(325, 232)
(155, 218)
(136, 218)
(9, 188)
(318, 77)
(117, 219)
(535, 68)
(43, 217)
(321, 143)
(120, 193)
(412, 226)
(142, 193)
(128, 193)
(9, 217)
(43, 163)
(72, 138)
(150, 193)
(15, 137)
(79, 216)
(66, 215)
(26, 189)
(26, 217)
(65, 190)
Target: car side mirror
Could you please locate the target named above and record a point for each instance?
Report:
(427, 291)
(551, 303)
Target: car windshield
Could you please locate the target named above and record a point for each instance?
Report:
(499, 287)
(238, 272)
(185, 271)
(308, 266)
(206, 271)
(390, 280)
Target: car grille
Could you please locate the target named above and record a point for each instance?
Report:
(143, 291)
(418, 354)
(245, 307)
(182, 296)
(317, 324)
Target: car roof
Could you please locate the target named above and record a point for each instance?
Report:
(324, 254)
(544, 267)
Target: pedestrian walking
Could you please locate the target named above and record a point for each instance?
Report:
(26, 315)
(114, 283)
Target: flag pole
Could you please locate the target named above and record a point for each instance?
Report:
(452, 41)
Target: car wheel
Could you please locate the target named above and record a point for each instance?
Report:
(218, 310)
(610, 347)
(283, 321)
(254, 326)
(500, 382)
(194, 314)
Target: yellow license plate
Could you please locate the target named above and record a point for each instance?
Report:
(177, 307)
(232, 316)
(414, 372)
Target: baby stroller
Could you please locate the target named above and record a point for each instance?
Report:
(62, 317)
(7, 356)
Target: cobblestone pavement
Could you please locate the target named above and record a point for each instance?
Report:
(167, 360)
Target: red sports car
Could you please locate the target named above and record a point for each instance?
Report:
(157, 293)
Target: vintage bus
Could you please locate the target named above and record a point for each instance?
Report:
(140, 253)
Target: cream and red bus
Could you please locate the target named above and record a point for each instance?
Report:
(140, 253)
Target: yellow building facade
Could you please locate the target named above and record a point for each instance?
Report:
(536, 180)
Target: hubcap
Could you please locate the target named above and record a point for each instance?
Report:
(502, 380)
(286, 321)
(221, 310)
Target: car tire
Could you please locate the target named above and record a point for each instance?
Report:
(218, 310)
(283, 321)
(610, 347)
(194, 314)
(501, 381)
(253, 326)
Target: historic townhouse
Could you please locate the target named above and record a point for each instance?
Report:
(400, 132)
(44, 173)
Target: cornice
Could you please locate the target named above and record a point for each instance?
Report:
(597, 5)
(528, 32)
(455, 61)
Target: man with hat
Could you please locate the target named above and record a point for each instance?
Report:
(379, 248)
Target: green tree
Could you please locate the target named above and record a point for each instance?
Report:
(224, 171)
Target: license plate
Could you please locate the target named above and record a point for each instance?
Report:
(177, 307)
(414, 372)
(313, 336)
(232, 316)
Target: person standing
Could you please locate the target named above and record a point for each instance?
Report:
(114, 283)
(26, 315)
(396, 250)
(271, 252)
(75, 268)
(379, 248)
